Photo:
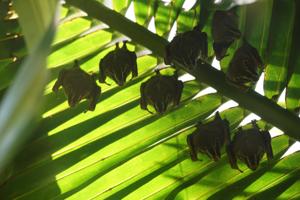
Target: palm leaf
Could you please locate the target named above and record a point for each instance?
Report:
(122, 152)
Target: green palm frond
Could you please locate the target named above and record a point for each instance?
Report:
(119, 151)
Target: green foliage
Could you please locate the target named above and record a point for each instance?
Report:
(18, 107)
(120, 151)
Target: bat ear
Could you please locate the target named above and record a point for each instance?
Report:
(217, 115)
(254, 125)
(76, 63)
(197, 27)
(175, 75)
(157, 71)
(117, 45)
(124, 44)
